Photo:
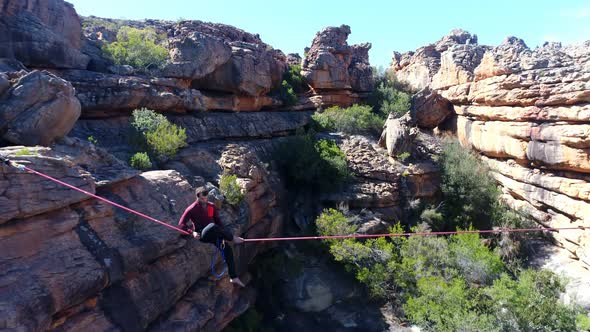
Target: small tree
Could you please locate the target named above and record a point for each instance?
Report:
(141, 160)
(137, 48)
(230, 189)
(166, 140)
(356, 119)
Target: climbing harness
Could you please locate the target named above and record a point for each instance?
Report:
(298, 238)
(219, 247)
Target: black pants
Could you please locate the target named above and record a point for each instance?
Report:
(214, 234)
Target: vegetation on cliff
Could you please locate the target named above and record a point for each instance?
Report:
(310, 164)
(154, 132)
(357, 119)
(138, 48)
(386, 99)
(461, 282)
(292, 84)
(230, 189)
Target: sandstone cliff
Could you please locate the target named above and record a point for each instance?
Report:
(526, 111)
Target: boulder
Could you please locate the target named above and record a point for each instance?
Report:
(251, 70)
(360, 71)
(38, 109)
(429, 109)
(194, 55)
(332, 64)
(46, 34)
(397, 137)
(294, 59)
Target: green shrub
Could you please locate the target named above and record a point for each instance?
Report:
(334, 222)
(88, 22)
(583, 322)
(92, 140)
(447, 307)
(145, 120)
(403, 156)
(166, 140)
(530, 303)
(137, 48)
(141, 160)
(389, 96)
(356, 119)
(470, 193)
(25, 152)
(476, 263)
(294, 78)
(309, 165)
(292, 84)
(153, 131)
(230, 189)
(286, 94)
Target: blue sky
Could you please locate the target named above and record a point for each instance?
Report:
(388, 25)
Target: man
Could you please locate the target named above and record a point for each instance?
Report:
(201, 220)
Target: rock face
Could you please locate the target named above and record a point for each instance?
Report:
(294, 59)
(76, 260)
(527, 111)
(331, 64)
(45, 33)
(37, 109)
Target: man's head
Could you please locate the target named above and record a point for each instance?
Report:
(202, 194)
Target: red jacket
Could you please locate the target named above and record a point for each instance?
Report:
(199, 216)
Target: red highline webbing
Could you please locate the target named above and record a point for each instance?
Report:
(298, 238)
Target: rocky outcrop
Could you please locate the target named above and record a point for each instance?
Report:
(37, 109)
(43, 34)
(429, 109)
(526, 111)
(331, 64)
(294, 59)
(418, 68)
(194, 55)
(72, 261)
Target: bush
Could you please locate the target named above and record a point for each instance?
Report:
(286, 94)
(137, 48)
(92, 140)
(476, 263)
(141, 160)
(388, 100)
(153, 131)
(390, 96)
(470, 194)
(530, 303)
(145, 120)
(334, 222)
(356, 119)
(583, 322)
(291, 84)
(403, 156)
(166, 140)
(230, 189)
(307, 165)
(447, 306)
(295, 80)
(25, 152)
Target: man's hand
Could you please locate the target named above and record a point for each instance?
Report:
(238, 240)
(196, 235)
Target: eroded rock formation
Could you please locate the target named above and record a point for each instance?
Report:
(526, 111)
(334, 68)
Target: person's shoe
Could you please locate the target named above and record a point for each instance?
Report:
(237, 281)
